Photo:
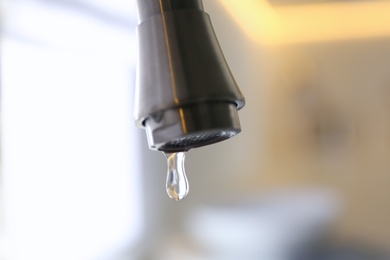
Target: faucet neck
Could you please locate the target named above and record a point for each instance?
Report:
(148, 8)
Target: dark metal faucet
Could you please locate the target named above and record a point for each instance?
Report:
(185, 96)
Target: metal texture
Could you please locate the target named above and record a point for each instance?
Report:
(185, 96)
(149, 8)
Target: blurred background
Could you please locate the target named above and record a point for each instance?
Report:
(308, 177)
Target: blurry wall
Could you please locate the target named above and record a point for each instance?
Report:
(316, 116)
(329, 126)
(69, 166)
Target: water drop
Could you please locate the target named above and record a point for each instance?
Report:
(177, 183)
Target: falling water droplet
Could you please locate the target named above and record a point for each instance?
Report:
(177, 183)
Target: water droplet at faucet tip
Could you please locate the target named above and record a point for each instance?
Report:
(176, 182)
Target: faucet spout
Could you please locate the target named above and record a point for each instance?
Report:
(185, 96)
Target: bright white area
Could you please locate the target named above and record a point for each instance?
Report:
(68, 167)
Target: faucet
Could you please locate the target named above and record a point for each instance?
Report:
(185, 96)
